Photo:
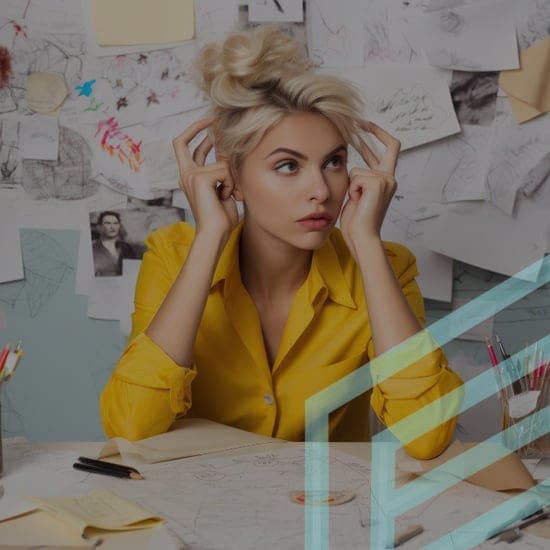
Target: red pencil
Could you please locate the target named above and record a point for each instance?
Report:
(4, 356)
(492, 354)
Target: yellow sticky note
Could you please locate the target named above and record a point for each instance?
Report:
(528, 88)
(98, 510)
(132, 22)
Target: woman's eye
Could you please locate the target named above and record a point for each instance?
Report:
(287, 167)
(335, 162)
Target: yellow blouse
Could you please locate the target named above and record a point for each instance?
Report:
(327, 335)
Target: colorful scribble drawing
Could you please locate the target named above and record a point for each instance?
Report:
(86, 89)
(118, 144)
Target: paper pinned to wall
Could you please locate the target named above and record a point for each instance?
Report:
(455, 167)
(113, 297)
(480, 234)
(11, 264)
(435, 277)
(480, 36)
(162, 21)
(261, 11)
(515, 151)
(410, 101)
(39, 137)
(528, 88)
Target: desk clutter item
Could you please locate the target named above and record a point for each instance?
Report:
(105, 468)
(98, 510)
(8, 363)
(525, 394)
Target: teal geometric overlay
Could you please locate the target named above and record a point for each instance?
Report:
(387, 502)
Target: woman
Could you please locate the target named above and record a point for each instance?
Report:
(241, 322)
(110, 249)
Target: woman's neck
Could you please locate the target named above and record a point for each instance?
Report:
(270, 268)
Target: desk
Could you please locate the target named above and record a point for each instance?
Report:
(39, 528)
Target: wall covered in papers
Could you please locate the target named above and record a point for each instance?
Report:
(86, 123)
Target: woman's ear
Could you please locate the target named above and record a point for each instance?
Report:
(236, 193)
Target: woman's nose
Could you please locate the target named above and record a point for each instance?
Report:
(319, 189)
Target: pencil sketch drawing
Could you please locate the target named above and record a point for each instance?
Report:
(46, 266)
(534, 25)
(68, 178)
(474, 96)
(10, 161)
(451, 23)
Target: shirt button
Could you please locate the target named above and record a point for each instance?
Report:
(268, 399)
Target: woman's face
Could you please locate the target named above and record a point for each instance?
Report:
(295, 181)
(110, 227)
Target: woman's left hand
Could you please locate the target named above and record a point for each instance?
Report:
(370, 190)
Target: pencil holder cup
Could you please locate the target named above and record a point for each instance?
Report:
(526, 413)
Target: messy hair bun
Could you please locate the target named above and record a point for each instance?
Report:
(256, 77)
(237, 72)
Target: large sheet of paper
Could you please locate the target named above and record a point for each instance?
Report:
(152, 22)
(411, 102)
(480, 36)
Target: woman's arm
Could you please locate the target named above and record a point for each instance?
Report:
(394, 303)
(151, 383)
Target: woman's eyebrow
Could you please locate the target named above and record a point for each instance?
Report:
(301, 155)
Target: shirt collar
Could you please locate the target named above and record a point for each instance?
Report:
(326, 269)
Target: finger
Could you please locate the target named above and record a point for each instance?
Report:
(211, 175)
(393, 145)
(202, 150)
(368, 155)
(181, 143)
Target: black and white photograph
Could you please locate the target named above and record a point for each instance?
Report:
(119, 235)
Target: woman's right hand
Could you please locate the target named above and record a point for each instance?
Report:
(208, 188)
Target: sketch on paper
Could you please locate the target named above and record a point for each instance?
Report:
(60, 53)
(10, 161)
(452, 23)
(474, 96)
(533, 22)
(455, 167)
(68, 178)
(46, 264)
(335, 35)
(410, 109)
(146, 86)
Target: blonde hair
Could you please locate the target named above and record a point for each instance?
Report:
(256, 77)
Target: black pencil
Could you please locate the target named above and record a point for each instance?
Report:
(106, 471)
(104, 463)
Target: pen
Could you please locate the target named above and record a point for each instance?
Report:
(105, 464)
(104, 470)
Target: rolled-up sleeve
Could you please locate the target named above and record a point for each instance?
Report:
(404, 386)
(147, 389)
